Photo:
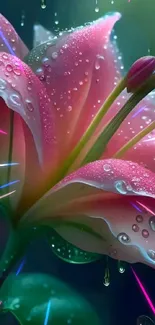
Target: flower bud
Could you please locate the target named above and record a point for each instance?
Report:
(139, 72)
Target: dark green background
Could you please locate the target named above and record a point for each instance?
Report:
(122, 302)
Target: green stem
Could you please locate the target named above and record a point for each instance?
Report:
(98, 148)
(92, 127)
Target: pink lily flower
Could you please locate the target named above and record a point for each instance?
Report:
(107, 205)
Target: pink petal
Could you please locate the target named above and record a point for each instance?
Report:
(74, 70)
(18, 155)
(10, 42)
(24, 93)
(137, 120)
(106, 196)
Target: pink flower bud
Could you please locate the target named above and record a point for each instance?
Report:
(140, 71)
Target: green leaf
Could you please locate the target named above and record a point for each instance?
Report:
(68, 252)
(38, 299)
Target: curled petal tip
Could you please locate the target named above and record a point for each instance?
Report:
(139, 72)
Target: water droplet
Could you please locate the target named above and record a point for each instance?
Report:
(43, 4)
(97, 9)
(54, 55)
(15, 99)
(29, 105)
(56, 22)
(2, 84)
(152, 223)
(120, 187)
(17, 71)
(139, 218)
(5, 56)
(80, 83)
(123, 238)
(145, 233)
(97, 65)
(107, 167)
(69, 108)
(135, 228)
(9, 68)
(151, 254)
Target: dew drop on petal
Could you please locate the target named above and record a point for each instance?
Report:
(139, 218)
(145, 233)
(29, 105)
(151, 254)
(152, 223)
(107, 167)
(123, 238)
(135, 228)
(54, 55)
(2, 84)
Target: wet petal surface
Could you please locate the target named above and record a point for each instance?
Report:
(74, 69)
(101, 206)
(10, 42)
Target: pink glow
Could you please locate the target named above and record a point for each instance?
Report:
(144, 292)
(145, 207)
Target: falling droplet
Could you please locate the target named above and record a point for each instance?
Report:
(106, 281)
(96, 6)
(22, 23)
(43, 4)
(121, 267)
(152, 223)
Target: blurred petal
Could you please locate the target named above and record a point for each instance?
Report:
(74, 69)
(17, 170)
(23, 92)
(10, 42)
(85, 194)
(41, 35)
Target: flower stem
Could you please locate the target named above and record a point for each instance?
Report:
(98, 148)
(92, 127)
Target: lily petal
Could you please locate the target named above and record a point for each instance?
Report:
(107, 192)
(11, 172)
(23, 92)
(10, 42)
(141, 117)
(41, 35)
(74, 70)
